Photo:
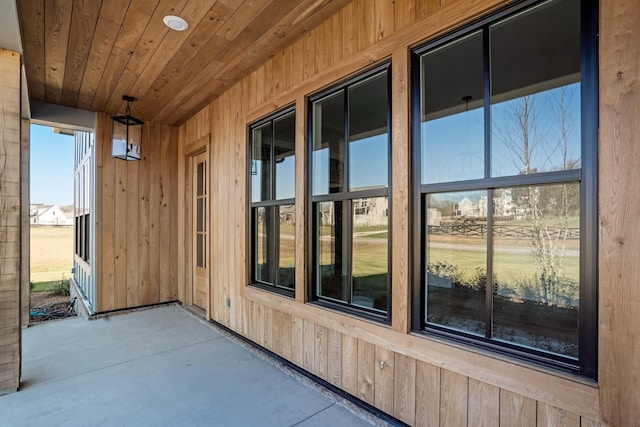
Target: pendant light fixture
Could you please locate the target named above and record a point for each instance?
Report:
(126, 142)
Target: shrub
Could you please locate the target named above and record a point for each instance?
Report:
(61, 287)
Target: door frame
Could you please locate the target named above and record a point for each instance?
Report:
(185, 214)
(194, 160)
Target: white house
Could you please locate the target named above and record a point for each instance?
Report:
(48, 215)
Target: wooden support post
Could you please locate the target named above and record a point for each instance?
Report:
(10, 222)
(401, 177)
(24, 221)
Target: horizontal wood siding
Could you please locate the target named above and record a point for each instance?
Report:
(418, 380)
(137, 220)
(10, 222)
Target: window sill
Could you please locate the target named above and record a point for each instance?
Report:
(289, 293)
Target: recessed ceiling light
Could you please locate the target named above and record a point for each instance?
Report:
(175, 23)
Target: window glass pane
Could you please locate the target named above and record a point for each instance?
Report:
(328, 145)
(261, 163)
(456, 256)
(333, 247)
(200, 250)
(200, 215)
(452, 121)
(368, 133)
(263, 269)
(200, 179)
(87, 236)
(285, 156)
(286, 246)
(536, 263)
(535, 90)
(370, 254)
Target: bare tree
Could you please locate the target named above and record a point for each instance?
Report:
(549, 207)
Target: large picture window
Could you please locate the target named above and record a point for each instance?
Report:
(505, 141)
(350, 194)
(272, 171)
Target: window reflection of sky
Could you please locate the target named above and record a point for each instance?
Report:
(368, 161)
(285, 178)
(368, 165)
(546, 132)
(453, 146)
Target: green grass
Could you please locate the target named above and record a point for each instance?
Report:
(507, 267)
(59, 287)
(379, 235)
(43, 286)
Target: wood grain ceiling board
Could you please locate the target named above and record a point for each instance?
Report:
(84, 18)
(32, 30)
(57, 23)
(88, 53)
(106, 31)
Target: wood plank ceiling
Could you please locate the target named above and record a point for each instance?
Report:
(88, 53)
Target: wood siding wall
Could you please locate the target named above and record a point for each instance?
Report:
(419, 380)
(619, 283)
(137, 207)
(10, 221)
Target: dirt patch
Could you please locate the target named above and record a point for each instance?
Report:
(49, 306)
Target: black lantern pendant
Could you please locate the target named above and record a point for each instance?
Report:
(127, 134)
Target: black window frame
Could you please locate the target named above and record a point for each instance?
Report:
(273, 202)
(312, 296)
(586, 365)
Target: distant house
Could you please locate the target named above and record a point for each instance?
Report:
(41, 214)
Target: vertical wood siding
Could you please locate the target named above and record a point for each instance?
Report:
(619, 293)
(419, 381)
(137, 221)
(10, 221)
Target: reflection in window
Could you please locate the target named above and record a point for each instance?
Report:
(353, 251)
(273, 204)
(370, 252)
(535, 91)
(536, 267)
(502, 204)
(328, 144)
(452, 115)
(368, 138)
(456, 257)
(350, 180)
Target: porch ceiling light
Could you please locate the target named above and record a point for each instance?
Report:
(175, 23)
(126, 140)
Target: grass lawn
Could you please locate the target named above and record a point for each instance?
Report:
(51, 254)
(44, 286)
(507, 267)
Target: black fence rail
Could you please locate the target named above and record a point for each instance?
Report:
(509, 231)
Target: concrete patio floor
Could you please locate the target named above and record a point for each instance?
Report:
(161, 366)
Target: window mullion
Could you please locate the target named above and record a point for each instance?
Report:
(489, 279)
(345, 146)
(347, 209)
(347, 231)
(274, 237)
(486, 43)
